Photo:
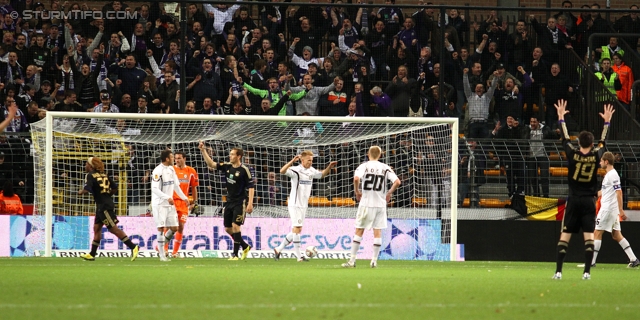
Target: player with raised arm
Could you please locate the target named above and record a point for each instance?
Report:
(98, 183)
(240, 193)
(611, 211)
(370, 184)
(188, 181)
(163, 184)
(302, 177)
(583, 188)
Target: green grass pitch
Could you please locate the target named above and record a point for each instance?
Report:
(113, 288)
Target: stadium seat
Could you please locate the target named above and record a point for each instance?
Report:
(633, 205)
(492, 172)
(466, 203)
(319, 202)
(554, 156)
(494, 203)
(343, 202)
(418, 202)
(559, 171)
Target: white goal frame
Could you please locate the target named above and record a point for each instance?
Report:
(49, 133)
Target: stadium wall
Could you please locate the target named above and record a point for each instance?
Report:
(486, 240)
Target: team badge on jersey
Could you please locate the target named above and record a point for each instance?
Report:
(156, 177)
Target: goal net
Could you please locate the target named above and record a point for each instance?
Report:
(421, 217)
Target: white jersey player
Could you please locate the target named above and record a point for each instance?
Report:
(164, 182)
(611, 211)
(302, 177)
(370, 183)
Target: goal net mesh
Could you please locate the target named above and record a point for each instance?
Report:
(418, 214)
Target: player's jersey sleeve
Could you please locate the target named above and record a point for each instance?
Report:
(316, 174)
(194, 182)
(615, 182)
(251, 183)
(291, 172)
(359, 171)
(89, 183)
(112, 184)
(568, 148)
(222, 167)
(391, 175)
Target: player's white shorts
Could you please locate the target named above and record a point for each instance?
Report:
(297, 216)
(371, 217)
(607, 220)
(165, 216)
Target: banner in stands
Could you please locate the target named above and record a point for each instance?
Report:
(402, 240)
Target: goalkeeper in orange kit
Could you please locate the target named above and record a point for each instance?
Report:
(188, 180)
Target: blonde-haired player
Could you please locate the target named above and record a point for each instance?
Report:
(302, 177)
(370, 184)
(163, 184)
(611, 211)
(188, 181)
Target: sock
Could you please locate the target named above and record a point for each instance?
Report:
(94, 248)
(128, 242)
(377, 243)
(169, 235)
(354, 248)
(285, 242)
(166, 243)
(177, 242)
(562, 252)
(296, 244)
(236, 244)
(627, 249)
(161, 240)
(243, 243)
(596, 249)
(588, 255)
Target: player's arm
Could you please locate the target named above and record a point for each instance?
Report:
(113, 185)
(194, 193)
(288, 165)
(606, 116)
(561, 109)
(327, 170)
(356, 187)
(393, 188)
(620, 207)
(207, 159)
(251, 186)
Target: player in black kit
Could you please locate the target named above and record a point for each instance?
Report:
(240, 193)
(583, 188)
(98, 183)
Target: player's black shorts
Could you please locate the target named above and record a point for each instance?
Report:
(580, 213)
(234, 212)
(106, 214)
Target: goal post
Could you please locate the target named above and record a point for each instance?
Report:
(422, 151)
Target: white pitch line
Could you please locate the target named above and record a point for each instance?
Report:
(593, 305)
